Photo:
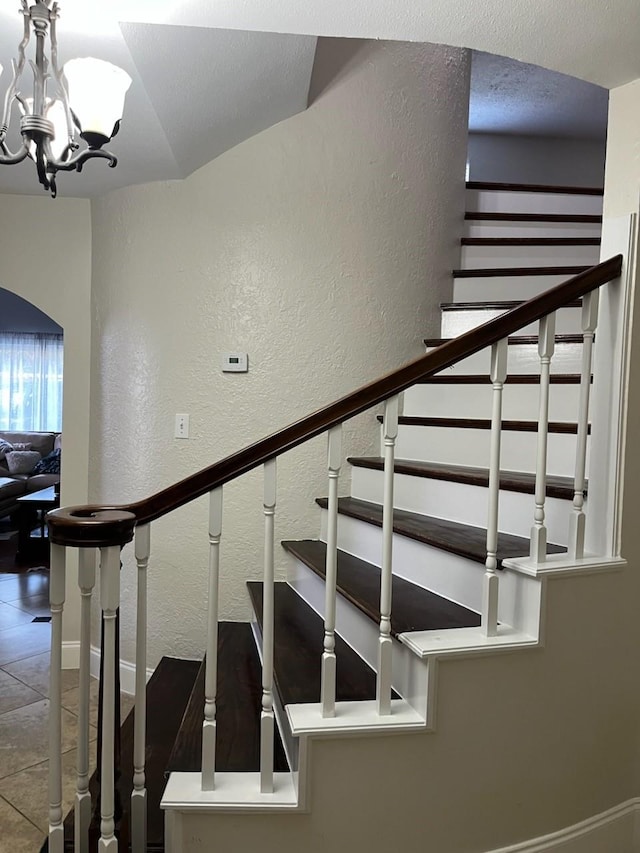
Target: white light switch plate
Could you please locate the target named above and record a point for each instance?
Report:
(182, 426)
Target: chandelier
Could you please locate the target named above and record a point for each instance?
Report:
(85, 99)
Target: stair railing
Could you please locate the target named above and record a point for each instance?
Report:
(107, 529)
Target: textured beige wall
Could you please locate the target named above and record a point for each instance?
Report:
(536, 159)
(322, 247)
(45, 257)
(622, 175)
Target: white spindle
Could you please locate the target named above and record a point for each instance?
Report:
(109, 603)
(211, 660)
(56, 597)
(490, 587)
(385, 643)
(139, 793)
(82, 814)
(328, 680)
(266, 717)
(577, 519)
(546, 344)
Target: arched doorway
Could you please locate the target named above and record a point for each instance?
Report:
(31, 380)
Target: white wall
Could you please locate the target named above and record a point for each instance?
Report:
(45, 257)
(622, 196)
(323, 248)
(536, 160)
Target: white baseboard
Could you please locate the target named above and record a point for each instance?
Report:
(613, 831)
(71, 654)
(71, 660)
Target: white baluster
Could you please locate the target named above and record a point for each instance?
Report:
(328, 680)
(82, 814)
(577, 519)
(490, 586)
(385, 643)
(546, 344)
(57, 574)
(266, 717)
(211, 659)
(109, 603)
(139, 793)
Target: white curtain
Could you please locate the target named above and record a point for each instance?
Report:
(30, 381)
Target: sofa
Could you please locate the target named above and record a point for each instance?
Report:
(23, 455)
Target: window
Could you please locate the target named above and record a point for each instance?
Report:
(30, 381)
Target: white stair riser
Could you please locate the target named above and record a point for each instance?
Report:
(479, 257)
(471, 447)
(501, 288)
(449, 575)
(519, 402)
(463, 502)
(503, 201)
(493, 228)
(362, 634)
(522, 358)
(456, 321)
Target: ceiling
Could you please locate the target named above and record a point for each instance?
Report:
(206, 76)
(515, 98)
(226, 86)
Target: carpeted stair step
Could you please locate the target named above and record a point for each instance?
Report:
(414, 608)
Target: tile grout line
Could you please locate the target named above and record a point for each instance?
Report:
(29, 821)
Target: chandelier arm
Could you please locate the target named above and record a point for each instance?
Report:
(58, 76)
(43, 167)
(8, 158)
(78, 160)
(17, 70)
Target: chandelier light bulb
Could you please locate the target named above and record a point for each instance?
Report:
(87, 98)
(96, 91)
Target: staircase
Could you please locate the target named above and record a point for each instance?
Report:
(441, 476)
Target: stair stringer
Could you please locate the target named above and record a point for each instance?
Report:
(238, 792)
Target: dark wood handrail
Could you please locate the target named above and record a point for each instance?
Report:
(84, 526)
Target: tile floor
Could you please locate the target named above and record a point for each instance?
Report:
(24, 686)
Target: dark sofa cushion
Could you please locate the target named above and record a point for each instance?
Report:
(10, 488)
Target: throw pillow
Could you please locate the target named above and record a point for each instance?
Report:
(22, 445)
(5, 447)
(49, 465)
(22, 461)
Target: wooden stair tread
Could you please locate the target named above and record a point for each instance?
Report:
(558, 427)
(577, 218)
(451, 536)
(495, 272)
(512, 378)
(238, 706)
(414, 608)
(533, 188)
(515, 340)
(168, 688)
(500, 305)
(511, 481)
(530, 241)
(297, 651)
